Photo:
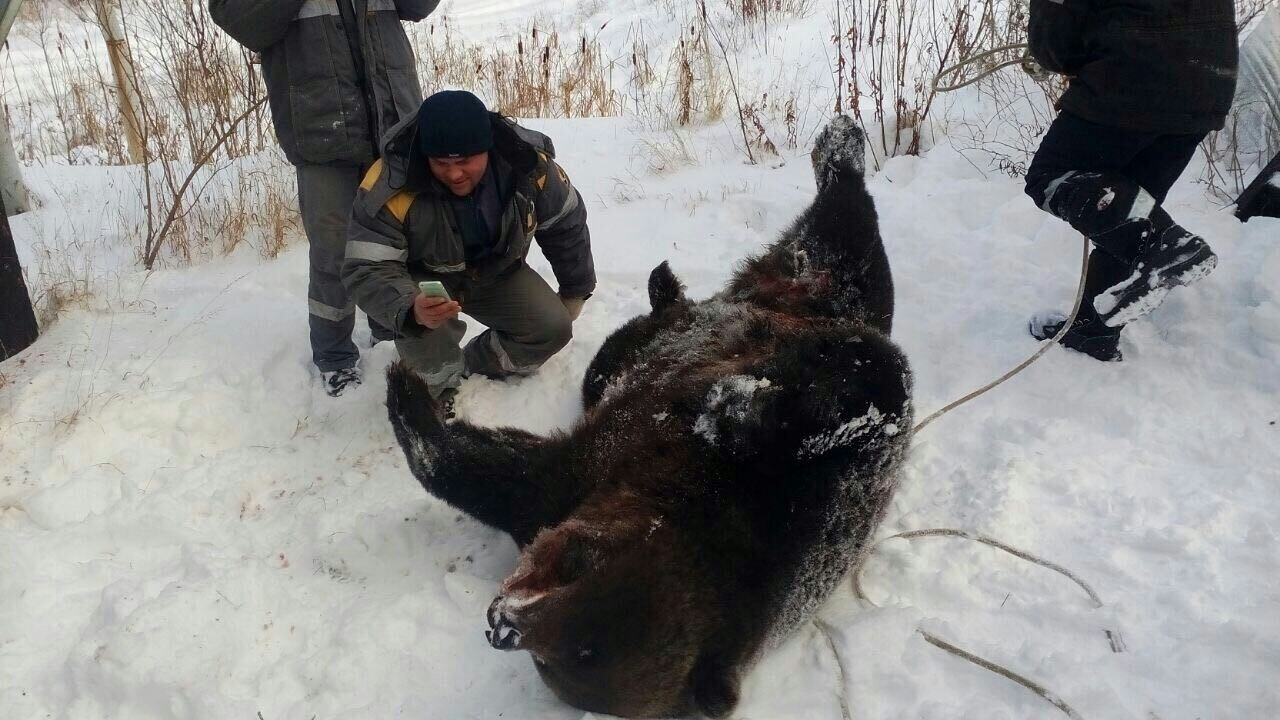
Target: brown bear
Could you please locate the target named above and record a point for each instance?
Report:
(735, 455)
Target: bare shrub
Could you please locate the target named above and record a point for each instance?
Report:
(83, 125)
(887, 52)
(200, 104)
(210, 80)
(1015, 110)
(1249, 10)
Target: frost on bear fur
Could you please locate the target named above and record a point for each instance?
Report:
(735, 456)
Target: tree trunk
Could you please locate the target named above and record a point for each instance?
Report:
(111, 22)
(12, 191)
(18, 329)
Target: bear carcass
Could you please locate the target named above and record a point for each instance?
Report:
(735, 455)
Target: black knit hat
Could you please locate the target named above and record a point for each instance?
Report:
(453, 123)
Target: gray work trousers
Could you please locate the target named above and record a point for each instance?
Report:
(325, 196)
(527, 324)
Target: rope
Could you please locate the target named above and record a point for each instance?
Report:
(826, 631)
(1031, 685)
(1044, 347)
(937, 87)
(948, 647)
(949, 532)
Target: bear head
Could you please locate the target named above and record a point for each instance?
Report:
(618, 617)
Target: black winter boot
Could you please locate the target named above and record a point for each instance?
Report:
(1087, 336)
(1125, 221)
(1171, 256)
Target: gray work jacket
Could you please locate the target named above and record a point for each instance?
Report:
(333, 89)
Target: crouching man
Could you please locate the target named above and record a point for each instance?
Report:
(457, 197)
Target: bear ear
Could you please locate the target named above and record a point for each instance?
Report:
(557, 557)
(715, 686)
(665, 289)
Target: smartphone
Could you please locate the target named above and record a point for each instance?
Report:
(434, 288)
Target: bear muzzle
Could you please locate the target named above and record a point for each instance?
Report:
(503, 634)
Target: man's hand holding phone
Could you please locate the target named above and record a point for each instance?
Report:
(433, 307)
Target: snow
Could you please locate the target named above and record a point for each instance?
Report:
(190, 529)
(845, 433)
(730, 397)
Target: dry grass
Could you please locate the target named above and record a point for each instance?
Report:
(259, 210)
(758, 19)
(538, 74)
(670, 151)
(61, 276)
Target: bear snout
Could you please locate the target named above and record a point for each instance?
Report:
(503, 634)
(840, 147)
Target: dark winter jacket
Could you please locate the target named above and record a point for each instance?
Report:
(403, 227)
(339, 73)
(1161, 66)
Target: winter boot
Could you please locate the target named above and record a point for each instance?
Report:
(337, 381)
(1170, 256)
(1126, 222)
(1087, 336)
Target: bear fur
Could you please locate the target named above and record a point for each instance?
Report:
(734, 458)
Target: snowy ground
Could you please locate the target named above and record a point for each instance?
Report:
(191, 530)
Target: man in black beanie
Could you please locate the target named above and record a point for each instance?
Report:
(457, 198)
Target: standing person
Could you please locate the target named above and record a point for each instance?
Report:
(457, 197)
(1148, 80)
(339, 73)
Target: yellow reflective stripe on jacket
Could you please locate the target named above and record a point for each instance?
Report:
(398, 205)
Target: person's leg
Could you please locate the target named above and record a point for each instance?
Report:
(379, 333)
(1119, 216)
(325, 195)
(1082, 175)
(1075, 148)
(1160, 164)
(1154, 168)
(437, 357)
(1079, 175)
(527, 325)
(1166, 255)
